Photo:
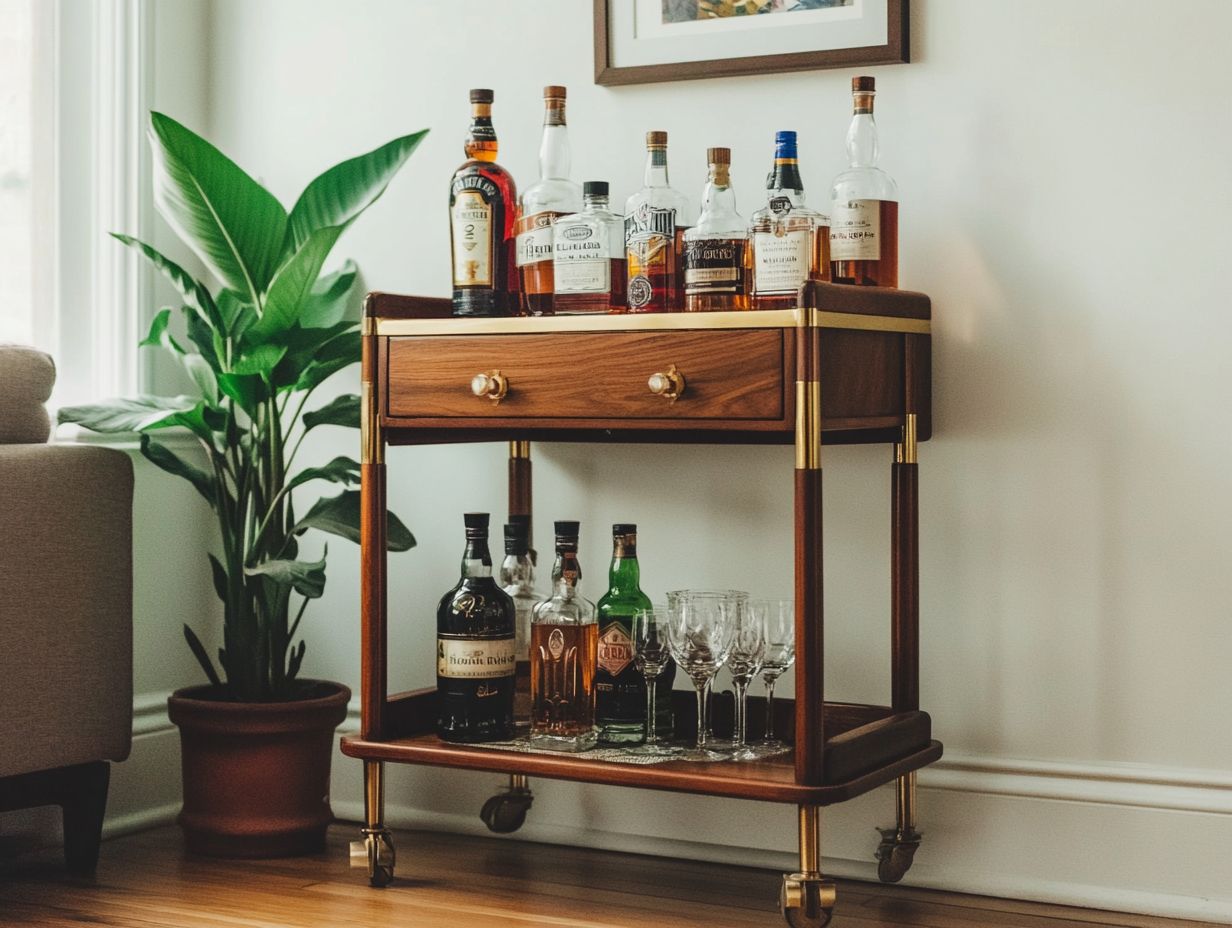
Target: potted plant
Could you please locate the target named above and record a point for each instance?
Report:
(257, 739)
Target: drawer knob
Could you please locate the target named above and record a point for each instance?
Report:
(492, 384)
(668, 384)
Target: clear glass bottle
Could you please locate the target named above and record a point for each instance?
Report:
(563, 643)
(790, 243)
(475, 648)
(655, 220)
(553, 195)
(588, 249)
(864, 204)
(482, 209)
(517, 578)
(716, 249)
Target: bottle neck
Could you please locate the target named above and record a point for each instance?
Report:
(718, 197)
(566, 573)
(655, 174)
(624, 575)
(517, 570)
(593, 202)
(862, 146)
(476, 559)
(555, 158)
(481, 141)
(785, 177)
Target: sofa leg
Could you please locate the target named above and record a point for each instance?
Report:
(84, 803)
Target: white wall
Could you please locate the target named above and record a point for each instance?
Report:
(1065, 184)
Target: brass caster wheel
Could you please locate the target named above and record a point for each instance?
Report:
(376, 852)
(806, 901)
(895, 853)
(506, 812)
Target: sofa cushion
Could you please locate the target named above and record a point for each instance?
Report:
(26, 378)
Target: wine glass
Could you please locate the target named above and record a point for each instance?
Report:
(650, 656)
(780, 653)
(737, 600)
(747, 653)
(699, 636)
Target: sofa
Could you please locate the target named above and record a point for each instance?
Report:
(66, 689)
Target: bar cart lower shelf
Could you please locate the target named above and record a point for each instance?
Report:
(851, 364)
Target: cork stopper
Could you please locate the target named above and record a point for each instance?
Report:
(718, 156)
(482, 96)
(554, 92)
(656, 138)
(863, 84)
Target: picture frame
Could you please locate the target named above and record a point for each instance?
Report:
(623, 57)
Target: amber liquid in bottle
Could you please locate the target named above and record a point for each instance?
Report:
(562, 686)
(883, 272)
(614, 302)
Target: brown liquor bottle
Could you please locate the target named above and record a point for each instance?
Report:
(716, 252)
(482, 210)
(655, 220)
(864, 213)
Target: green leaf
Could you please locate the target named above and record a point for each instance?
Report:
(342, 410)
(304, 346)
(202, 373)
(221, 583)
(198, 650)
(339, 515)
(248, 390)
(341, 469)
(295, 659)
(194, 293)
(128, 415)
(293, 283)
(260, 359)
(232, 223)
(159, 336)
(329, 301)
(207, 339)
(333, 356)
(340, 194)
(196, 420)
(230, 306)
(198, 368)
(307, 579)
(163, 457)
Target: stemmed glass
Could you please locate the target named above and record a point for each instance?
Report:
(780, 653)
(700, 627)
(745, 660)
(650, 656)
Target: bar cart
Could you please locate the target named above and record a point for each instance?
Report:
(848, 365)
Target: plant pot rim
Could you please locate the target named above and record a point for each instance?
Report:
(189, 708)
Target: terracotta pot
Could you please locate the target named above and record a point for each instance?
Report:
(256, 775)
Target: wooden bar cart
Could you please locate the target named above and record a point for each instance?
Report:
(849, 365)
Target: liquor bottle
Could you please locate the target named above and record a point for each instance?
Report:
(620, 688)
(716, 249)
(482, 201)
(554, 195)
(655, 220)
(517, 578)
(475, 648)
(790, 242)
(589, 254)
(563, 642)
(864, 211)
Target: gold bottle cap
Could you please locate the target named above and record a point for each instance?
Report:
(482, 96)
(718, 155)
(863, 85)
(656, 138)
(554, 92)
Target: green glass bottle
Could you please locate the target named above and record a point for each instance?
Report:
(620, 689)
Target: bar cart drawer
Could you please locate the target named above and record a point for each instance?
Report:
(727, 374)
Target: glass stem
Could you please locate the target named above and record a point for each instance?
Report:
(703, 691)
(769, 735)
(741, 687)
(651, 734)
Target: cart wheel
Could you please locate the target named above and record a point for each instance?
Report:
(376, 852)
(806, 901)
(895, 854)
(506, 812)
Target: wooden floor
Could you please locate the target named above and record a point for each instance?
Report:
(147, 881)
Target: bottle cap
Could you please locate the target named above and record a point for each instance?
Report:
(554, 92)
(476, 524)
(594, 188)
(482, 96)
(624, 528)
(785, 137)
(566, 529)
(718, 155)
(522, 520)
(656, 138)
(863, 85)
(515, 538)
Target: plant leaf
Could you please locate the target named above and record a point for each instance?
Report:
(295, 659)
(333, 356)
(162, 456)
(194, 293)
(232, 223)
(341, 469)
(306, 578)
(329, 301)
(260, 359)
(341, 410)
(339, 515)
(341, 193)
(248, 390)
(220, 577)
(128, 415)
(293, 283)
(303, 347)
(198, 650)
(198, 368)
(159, 336)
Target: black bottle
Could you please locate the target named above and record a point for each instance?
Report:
(476, 648)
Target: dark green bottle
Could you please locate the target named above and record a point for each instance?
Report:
(620, 689)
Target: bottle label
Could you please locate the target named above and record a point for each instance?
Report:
(471, 223)
(714, 266)
(615, 649)
(780, 261)
(582, 260)
(475, 658)
(650, 246)
(855, 230)
(534, 237)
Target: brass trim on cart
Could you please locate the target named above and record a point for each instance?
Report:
(371, 447)
(905, 451)
(519, 449)
(808, 425)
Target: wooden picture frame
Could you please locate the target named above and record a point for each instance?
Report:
(896, 50)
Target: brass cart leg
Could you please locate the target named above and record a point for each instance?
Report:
(899, 844)
(807, 898)
(376, 850)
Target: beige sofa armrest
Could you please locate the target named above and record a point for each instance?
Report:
(66, 655)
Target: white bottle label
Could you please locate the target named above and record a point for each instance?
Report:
(472, 240)
(582, 260)
(475, 658)
(534, 238)
(780, 262)
(855, 230)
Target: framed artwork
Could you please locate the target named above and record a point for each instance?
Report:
(645, 41)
